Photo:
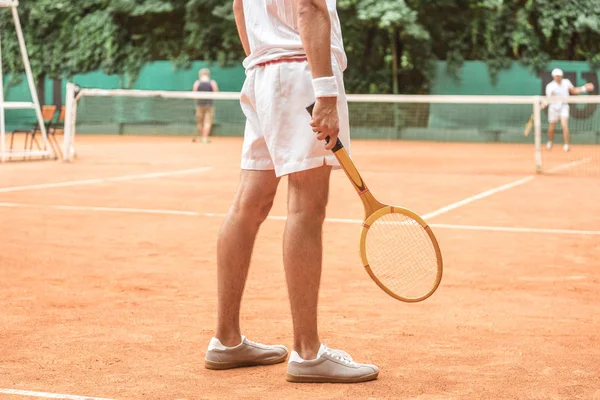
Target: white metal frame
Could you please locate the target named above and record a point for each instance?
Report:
(69, 128)
(34, 104)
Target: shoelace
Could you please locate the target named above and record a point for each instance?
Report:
(262, 346)
(341, 353)
(338, 356)
(259, 345)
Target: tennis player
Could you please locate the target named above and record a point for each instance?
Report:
(295, 58)
(205, 110)
(559, 111)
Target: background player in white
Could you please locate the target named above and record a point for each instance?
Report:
(560, 87)
(295, 58)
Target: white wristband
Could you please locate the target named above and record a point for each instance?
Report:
(325, 87)
(583, 89)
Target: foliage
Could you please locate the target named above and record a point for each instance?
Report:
(68, 37)
(389, 42)
(377, 30)
(500, 31)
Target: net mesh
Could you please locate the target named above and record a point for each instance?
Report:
(440, 122)
(402, 256)
(488, 120)
(369, 120)
(154, 116)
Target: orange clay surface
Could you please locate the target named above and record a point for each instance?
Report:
(101, 297)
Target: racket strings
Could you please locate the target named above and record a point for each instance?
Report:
(401, 255)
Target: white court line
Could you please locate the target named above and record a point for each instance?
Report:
(127, 210)
(478, 196)
(48, 395)
(510, 229)
(570, 165)
(552, 278)
(102, 180)
(103, 209)
(283, 218)
(452, 226)
(499, 189)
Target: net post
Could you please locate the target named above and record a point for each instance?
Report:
(70, 115)
(537, 126)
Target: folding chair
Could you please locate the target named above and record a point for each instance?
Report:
(60, 127)
(48, 113)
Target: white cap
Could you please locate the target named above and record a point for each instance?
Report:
(557, 72)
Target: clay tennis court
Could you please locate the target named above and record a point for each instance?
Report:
(108, 285)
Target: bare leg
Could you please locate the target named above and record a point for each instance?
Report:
(251, 206)
(206, 132)
(564, 122)
(209, 116)
(199, 124)
(303, 253)
(551, 129)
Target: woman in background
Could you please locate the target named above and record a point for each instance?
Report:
(205, 110)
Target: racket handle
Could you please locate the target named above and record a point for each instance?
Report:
(371, 204)
(338, 145)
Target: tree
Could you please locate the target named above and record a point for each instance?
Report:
(68, 37)
(392, 45)
(390, 31)
(210, 32)
(501, 31)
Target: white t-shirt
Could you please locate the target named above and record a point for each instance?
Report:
(559, 90)
(272, 27)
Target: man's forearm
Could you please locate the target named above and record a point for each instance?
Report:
(315, 32)
(238, 12)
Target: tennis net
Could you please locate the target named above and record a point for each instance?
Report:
(442, 119)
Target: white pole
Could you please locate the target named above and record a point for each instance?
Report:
(69, 129)
(537, 123)
(29, 74)
(2, 122)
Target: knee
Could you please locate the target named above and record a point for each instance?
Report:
(252, 211)
(308, 195)
(309, 210)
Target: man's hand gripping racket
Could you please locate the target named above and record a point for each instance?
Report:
(397, 247)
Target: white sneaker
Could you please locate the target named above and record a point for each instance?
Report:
(245, 354)
(566, 148)
(330, 366)
(549, 145)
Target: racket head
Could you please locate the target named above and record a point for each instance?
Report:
(401, 254)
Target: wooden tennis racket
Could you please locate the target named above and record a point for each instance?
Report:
(528, 126)
(397, 247)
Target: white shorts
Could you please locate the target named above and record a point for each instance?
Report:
(278, 134)
(557, 113)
